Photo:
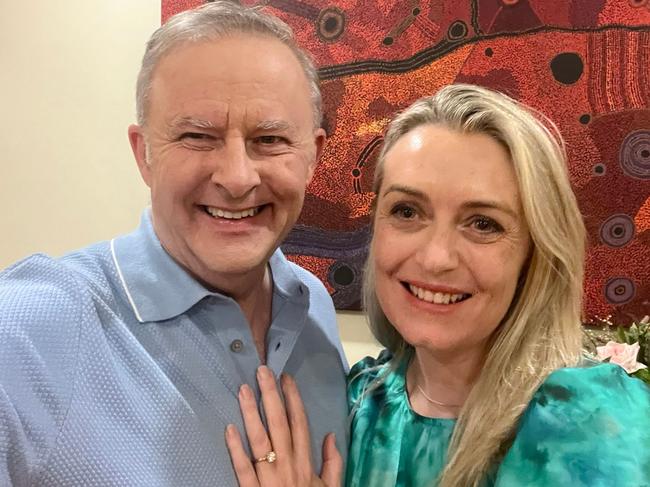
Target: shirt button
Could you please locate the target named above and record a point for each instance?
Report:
(236, 346)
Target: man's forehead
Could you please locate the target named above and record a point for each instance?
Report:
(217, 120)
(238, 89)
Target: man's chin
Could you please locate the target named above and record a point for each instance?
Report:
(226, 271)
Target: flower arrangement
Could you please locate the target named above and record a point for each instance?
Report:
(628, 347)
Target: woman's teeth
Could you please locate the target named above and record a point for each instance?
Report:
(437, 298)
(232, 215)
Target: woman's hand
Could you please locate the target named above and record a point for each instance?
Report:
(289, 440)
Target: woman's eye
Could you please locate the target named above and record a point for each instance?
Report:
(486, 225)
(404, 212)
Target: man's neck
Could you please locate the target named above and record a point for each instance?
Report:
(256, 304)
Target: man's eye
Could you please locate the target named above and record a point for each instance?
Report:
(269, 139)
(404, 212)
(196, 136)
(486, 225)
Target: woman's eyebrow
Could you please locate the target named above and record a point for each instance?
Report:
(491, 204)
(473, 204)
(398, 188)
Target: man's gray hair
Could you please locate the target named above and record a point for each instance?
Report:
(212, 21)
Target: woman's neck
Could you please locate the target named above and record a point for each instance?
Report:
(438, 384)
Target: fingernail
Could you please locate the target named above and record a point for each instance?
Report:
(230, 430)
(263, 372)
(245, 391)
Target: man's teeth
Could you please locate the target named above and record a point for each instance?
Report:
(437, 298)
(232, 215)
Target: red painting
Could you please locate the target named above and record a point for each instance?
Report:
(583, 63)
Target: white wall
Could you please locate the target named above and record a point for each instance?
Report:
(67, 82)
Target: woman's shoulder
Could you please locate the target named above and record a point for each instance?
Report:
(593, 386)
(584, 426)
(365, 371)
(369, 365)
(592, 400)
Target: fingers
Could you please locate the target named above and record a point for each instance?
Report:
(276, 416)
(257, 437)
(298, 422)
(332, 469)
(244, 470)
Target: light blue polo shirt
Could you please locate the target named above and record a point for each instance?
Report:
(118, 368)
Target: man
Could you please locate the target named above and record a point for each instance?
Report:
(120, 364)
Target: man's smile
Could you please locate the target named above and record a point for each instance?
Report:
(233, 214)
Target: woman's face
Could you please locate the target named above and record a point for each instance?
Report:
(450, 238)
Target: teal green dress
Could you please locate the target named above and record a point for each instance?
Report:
(586, 426)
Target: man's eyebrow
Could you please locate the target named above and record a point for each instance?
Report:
(192, 122)
(273, 125)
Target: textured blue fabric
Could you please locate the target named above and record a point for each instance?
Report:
(117, 368)
(584, 427)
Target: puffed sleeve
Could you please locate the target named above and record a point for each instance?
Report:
(363, 373)
(584, 427)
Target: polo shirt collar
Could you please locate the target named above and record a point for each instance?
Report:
(158, 288)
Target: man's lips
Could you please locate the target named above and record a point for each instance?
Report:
(233, 214)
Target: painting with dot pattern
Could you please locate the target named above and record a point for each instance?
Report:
(583, 63)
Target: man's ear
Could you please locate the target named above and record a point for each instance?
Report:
(139, 148)
(319, 139)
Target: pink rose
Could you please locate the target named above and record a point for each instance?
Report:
(621, 354)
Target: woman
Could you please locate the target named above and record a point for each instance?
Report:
(474, 285)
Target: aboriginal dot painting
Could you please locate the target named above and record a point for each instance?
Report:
(583, 63)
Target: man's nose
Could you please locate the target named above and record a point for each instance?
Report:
(234, 171)
(438, 252)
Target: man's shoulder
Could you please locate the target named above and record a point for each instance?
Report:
(33, 279)
(39, 273)
(40, 292)
(42, 309)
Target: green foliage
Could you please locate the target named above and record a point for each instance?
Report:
(643, 374)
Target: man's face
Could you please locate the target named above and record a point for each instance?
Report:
(228, 149)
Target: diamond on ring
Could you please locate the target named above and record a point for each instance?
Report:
(269, 457)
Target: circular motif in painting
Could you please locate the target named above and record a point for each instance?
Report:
(330, 24)
(619, 290)
(617, 230)
(599, 169)
(341, 274)
(634, 156)
(457, 30)
(567, 67)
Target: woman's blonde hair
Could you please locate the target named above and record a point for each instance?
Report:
(541, 330)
